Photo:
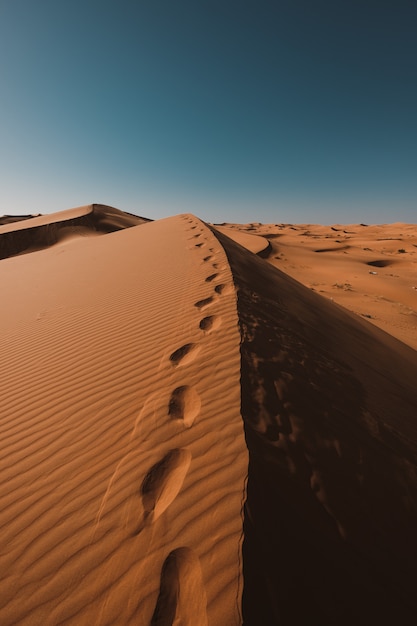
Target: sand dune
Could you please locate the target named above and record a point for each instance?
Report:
(121, 433)
(254, 243)
(369, 269)
(329, 405)
(191, 436)
(30, 234)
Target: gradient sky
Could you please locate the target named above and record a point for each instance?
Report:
(280, 111)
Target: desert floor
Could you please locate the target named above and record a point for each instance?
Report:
(369, 269)
(207, 425)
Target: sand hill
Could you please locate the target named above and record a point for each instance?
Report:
(191, 436)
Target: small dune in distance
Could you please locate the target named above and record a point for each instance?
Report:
(207, 424)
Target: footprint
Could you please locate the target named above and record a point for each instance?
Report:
(207, 258)
(185, 354)
(202, 304)
(185, 405)
(211, 277)
(182, 597)
(197, 235)
(209, 323)
(223, 288)
(163, 482)
(199, 245)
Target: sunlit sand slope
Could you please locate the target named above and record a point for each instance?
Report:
(254, 243)
(369, 269)
(35, 233)
(330, 410)
(123, 458)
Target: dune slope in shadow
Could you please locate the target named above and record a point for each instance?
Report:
(33, 233)
(329, 405)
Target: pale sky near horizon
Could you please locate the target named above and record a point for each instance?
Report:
(279, 111)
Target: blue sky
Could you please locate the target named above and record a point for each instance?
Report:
(280, 111)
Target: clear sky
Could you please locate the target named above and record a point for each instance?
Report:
(279, 111)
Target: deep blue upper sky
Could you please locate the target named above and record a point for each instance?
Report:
(288, 110)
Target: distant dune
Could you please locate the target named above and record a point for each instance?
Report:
(31, 233)
(369, 269)
(203, 425)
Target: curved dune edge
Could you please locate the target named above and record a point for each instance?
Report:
(127, 364)
(329, 406)
(102, 211)
(51, 218)
(122, 448)
(253, 243)
(40, 232)
(368, 269)
(12, 219)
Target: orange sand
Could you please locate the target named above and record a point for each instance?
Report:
(190, 436)
(371, 270)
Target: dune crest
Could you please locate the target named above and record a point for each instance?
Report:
(329, 405)
(369, 269)
(189, 435)
(32, 234)
(122, 441)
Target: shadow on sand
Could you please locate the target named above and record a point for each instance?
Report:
(329, 410)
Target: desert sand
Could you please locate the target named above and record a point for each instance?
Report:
(207, 425)
(369, 269)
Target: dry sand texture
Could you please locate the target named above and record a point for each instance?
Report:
(330, 410)
(123, 457)
(371, 270)
(133, 492)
